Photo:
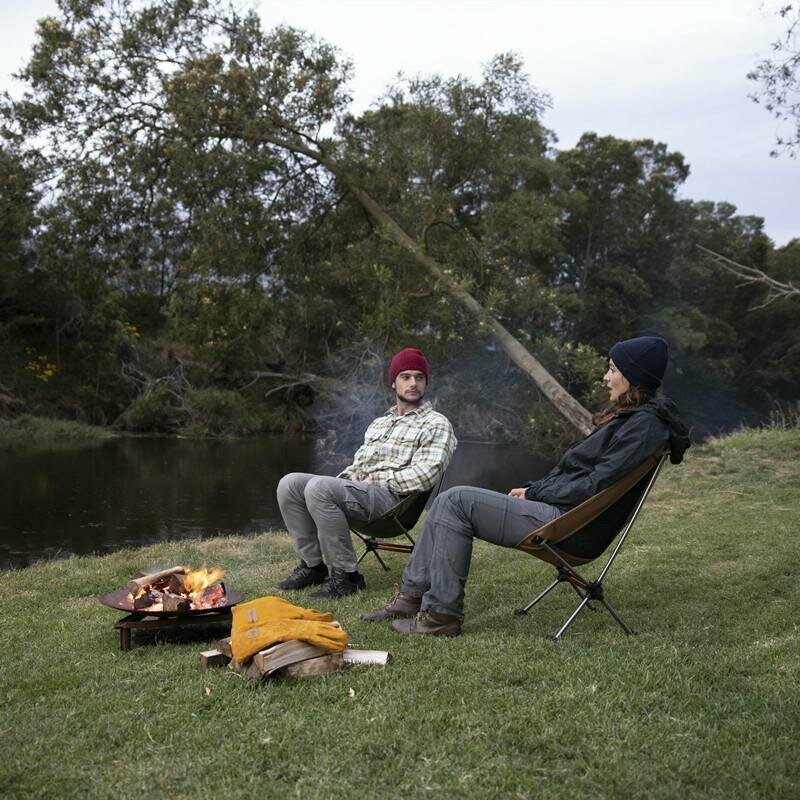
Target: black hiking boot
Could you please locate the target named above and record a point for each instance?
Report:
(303, 576)
(340, 584)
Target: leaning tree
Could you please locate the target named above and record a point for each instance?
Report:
(130, 89)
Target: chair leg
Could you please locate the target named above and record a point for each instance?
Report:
(370, 546)
(556, 636)
(587, 591)
(630, 631)
(564, 573)
(594, 591)
(521, 611)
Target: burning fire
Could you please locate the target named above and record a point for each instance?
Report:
(178, 589)
(197, 580)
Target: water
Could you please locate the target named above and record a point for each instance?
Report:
(135, 491)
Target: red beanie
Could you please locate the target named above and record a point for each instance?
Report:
(408, 359)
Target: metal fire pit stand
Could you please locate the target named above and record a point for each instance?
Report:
(143, 621)
(159, 620)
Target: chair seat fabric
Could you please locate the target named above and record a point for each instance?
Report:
(583, 533)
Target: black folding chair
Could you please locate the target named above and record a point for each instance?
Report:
(583, 534)
(396, 522)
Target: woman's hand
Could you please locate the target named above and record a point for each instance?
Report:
(519, 494)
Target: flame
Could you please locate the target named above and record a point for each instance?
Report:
(197, 580)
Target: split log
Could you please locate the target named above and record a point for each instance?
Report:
(144, 601)
(285, 653)
(239, 667)
(253, 672)
(175, 583)
(322, 665)
(224, 646)
(137, 584)
(175, 602)
(213, 658)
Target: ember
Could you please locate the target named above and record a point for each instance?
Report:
(178, 589)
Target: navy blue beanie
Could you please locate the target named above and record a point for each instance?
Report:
(642, 361)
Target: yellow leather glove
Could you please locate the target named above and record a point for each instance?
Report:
(245, 641)
(265, 609)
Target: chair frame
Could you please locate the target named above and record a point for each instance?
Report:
(589, 590)
(374, 541)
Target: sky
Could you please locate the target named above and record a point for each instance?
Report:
(669, 70)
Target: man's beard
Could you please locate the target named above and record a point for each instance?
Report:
(411, 401)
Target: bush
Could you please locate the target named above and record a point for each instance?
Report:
(220, 412)
(27, 430)
(157, 410)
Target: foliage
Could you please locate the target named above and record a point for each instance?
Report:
(179, 221)
(156, 410)
(779, 81)
(26, 431)
(702, 704)
(220, 412)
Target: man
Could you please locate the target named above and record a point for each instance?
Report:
(404, 451)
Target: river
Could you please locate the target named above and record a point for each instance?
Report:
(130, 492)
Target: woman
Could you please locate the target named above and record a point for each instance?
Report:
(631, 429)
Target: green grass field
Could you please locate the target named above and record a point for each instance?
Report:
(702, 704)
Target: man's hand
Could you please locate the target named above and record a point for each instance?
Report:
(518, 493)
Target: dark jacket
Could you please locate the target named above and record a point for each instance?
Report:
(610, 452)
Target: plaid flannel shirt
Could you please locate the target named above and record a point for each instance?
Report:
(407, 453)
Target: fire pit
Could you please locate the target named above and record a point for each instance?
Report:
(172, 598)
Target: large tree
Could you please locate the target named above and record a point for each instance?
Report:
(138, 88)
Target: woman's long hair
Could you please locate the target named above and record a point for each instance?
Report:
(635, 396)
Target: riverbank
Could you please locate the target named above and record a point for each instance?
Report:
(28, 431)
(702, 704)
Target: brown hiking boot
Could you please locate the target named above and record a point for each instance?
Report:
(401, 606)
(429, 622)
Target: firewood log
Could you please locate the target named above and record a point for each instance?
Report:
(239, 667)
(143, 601)
(253, 672)
(323, 665)
(136, 584)
(175, 602)
(175, 583)
(285, 653)
(213, 658)
(224, 646)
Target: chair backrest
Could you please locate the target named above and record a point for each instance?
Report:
(583, 533)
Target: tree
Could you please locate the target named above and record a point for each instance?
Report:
(620, 215)
(752, 275)
(779, 79)
(124, 83)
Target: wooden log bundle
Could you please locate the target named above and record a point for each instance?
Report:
(290, 660)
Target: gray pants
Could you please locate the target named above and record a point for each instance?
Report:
(439, 565)
(316, 510)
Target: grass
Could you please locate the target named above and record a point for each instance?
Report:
(702, 704)
(27, 431)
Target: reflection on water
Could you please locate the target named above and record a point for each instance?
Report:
(132, 492)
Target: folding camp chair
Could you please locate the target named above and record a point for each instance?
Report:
(397, 521)
(583, 534)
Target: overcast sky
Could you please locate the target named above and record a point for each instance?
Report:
(670, 70)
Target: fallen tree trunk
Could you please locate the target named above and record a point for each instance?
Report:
(553, 391)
